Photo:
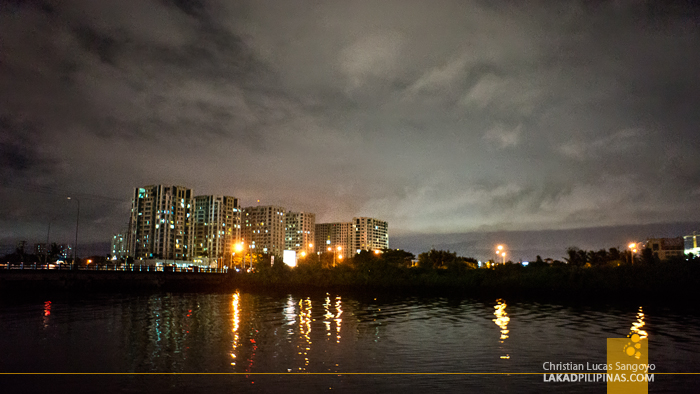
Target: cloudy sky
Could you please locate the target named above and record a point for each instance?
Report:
(437, 116)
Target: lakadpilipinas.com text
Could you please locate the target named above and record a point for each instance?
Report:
(597, 373)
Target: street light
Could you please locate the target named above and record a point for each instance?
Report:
(504, 258)
(633, 250)
(77, 222)
(499, 249)
(238, 248)
(340, 256)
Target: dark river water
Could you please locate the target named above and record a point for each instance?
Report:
(301, 343)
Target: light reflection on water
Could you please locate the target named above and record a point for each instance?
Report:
(502, 321)
(638, 325)
(244, 332)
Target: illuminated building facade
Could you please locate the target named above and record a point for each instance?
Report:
(666, 248)
(299, 228)
(119, 248)
(216, 228)
(333, 235)
(369, 234)
(691, 244)
(160, 222)
(263, 229)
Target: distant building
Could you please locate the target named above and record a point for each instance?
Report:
(691, 244)
(300, 230)
(362, 233)
(263, 229)
(41, 249)
(216, 228)
(370, 234)
(65, 251)
(119, 248)
(160, 222)
(666, 248)
(334, 235)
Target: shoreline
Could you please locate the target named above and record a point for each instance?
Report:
(676, 282)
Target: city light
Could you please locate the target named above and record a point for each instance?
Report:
(500, 252)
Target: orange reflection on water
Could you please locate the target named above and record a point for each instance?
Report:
(502, 321)
(305, 330)
(637, 326)
(337, 319)
(327, 315)
(235, 320)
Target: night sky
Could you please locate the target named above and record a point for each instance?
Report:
(475, 119)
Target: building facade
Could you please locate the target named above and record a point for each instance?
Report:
(159, 227)
(216, 228)
(666, 248)
(119, 249)
(691, 244)
(330, 236)
(299, 228)
(263, 229)
(370, 234)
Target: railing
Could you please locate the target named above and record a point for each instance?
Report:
(114, 267)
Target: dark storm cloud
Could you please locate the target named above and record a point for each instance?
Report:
(20, 156)
(439, 116)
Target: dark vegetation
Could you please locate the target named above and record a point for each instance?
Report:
(590, 274)
(581, 274)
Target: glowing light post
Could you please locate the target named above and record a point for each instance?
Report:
(633, 250)
(499, 250)
(340, 256)
(504, 258)
(239, 248)
(77, 223)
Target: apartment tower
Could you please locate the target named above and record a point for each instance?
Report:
(299, 231)
(160, 221)
(216, 228)
(263, 229)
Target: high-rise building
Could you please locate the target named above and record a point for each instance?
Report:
(119, 245)
(370, 234)
(299, 231)
(160, 222)
(216, 228)
(263, 229)
(334, 235)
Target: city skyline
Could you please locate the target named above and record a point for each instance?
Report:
(452, 120)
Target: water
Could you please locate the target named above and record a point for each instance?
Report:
(337, 334)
